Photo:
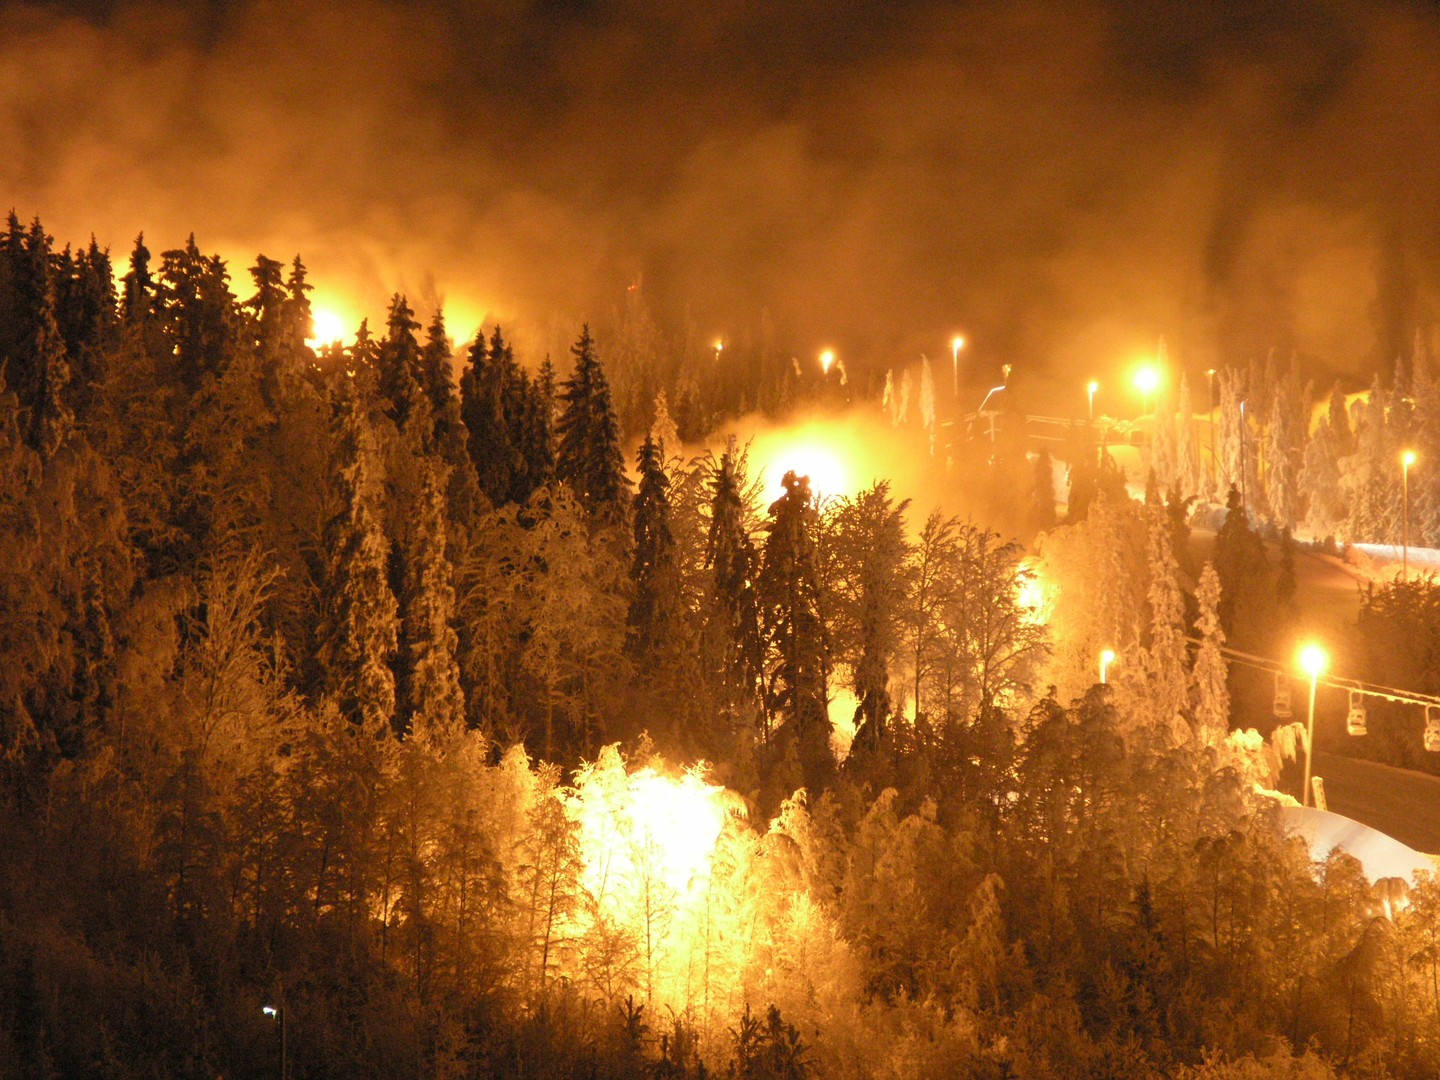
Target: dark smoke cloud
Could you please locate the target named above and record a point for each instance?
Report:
(1064, 181)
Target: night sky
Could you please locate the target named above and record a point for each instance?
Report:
(1063, 182)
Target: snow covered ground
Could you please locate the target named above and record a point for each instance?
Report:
(1381, 856)
(1383, 561)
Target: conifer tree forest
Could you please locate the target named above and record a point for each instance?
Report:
(416, 708)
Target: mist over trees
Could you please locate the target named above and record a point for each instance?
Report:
(348, 683)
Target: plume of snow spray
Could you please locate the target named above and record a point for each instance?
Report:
(927, 400)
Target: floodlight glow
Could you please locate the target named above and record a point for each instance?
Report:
(1107, 657)
(1314, 660)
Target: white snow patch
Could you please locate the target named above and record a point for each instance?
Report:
(1381, 855)
(1385, 560)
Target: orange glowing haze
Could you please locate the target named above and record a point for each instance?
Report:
(821, 450)
(837, 188)
(330, 327)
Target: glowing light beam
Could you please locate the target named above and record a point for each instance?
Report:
(328, 326)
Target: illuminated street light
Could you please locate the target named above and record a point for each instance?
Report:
(719, 347)
(1147, 381)
(274, 1013)
(1107, 657)
(1091, 391)
(827, 360)
(1313, 661)
(956, 344)
(1406, 460)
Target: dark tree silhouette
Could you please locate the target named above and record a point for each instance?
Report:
(655, 607)
(588, 456)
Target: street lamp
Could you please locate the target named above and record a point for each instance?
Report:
(278, 1013)
(1147, 380)
(1090, 389)
(719, 347)
(1406, 460)
(1313, 661)
(827, 360)
(956, 344)
(1107, 657)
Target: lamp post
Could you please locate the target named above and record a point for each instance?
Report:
(1090, 389)
(279, 1014)
(1107, 657)
(1313, 661)
(956, 344)
(827, 360)
(1147, 379)
(1406, 460)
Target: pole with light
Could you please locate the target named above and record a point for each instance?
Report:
(956, 344)
(278, 1014)
(1090, 389)
(1406, 460)
(1107, 657)
(1313, 661)
(1147, 380)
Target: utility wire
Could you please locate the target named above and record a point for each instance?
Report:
(1340, 682)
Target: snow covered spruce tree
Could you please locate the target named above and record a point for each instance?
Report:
(49, 419)
(484, 416)
(732, 628)
(358, 619)
(533, 432)
(870, 557)
(1209, 693)
(1163, 663)
(526, 406)
(435, 366)
(1321, 474)
(85, 311)
(196, 313)
(796, 638)
(267, 307)
(400, 365)
(508, 417)
(588, 456)
(655, 604)
(433, 705)
(32, 349)
(447, 439)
